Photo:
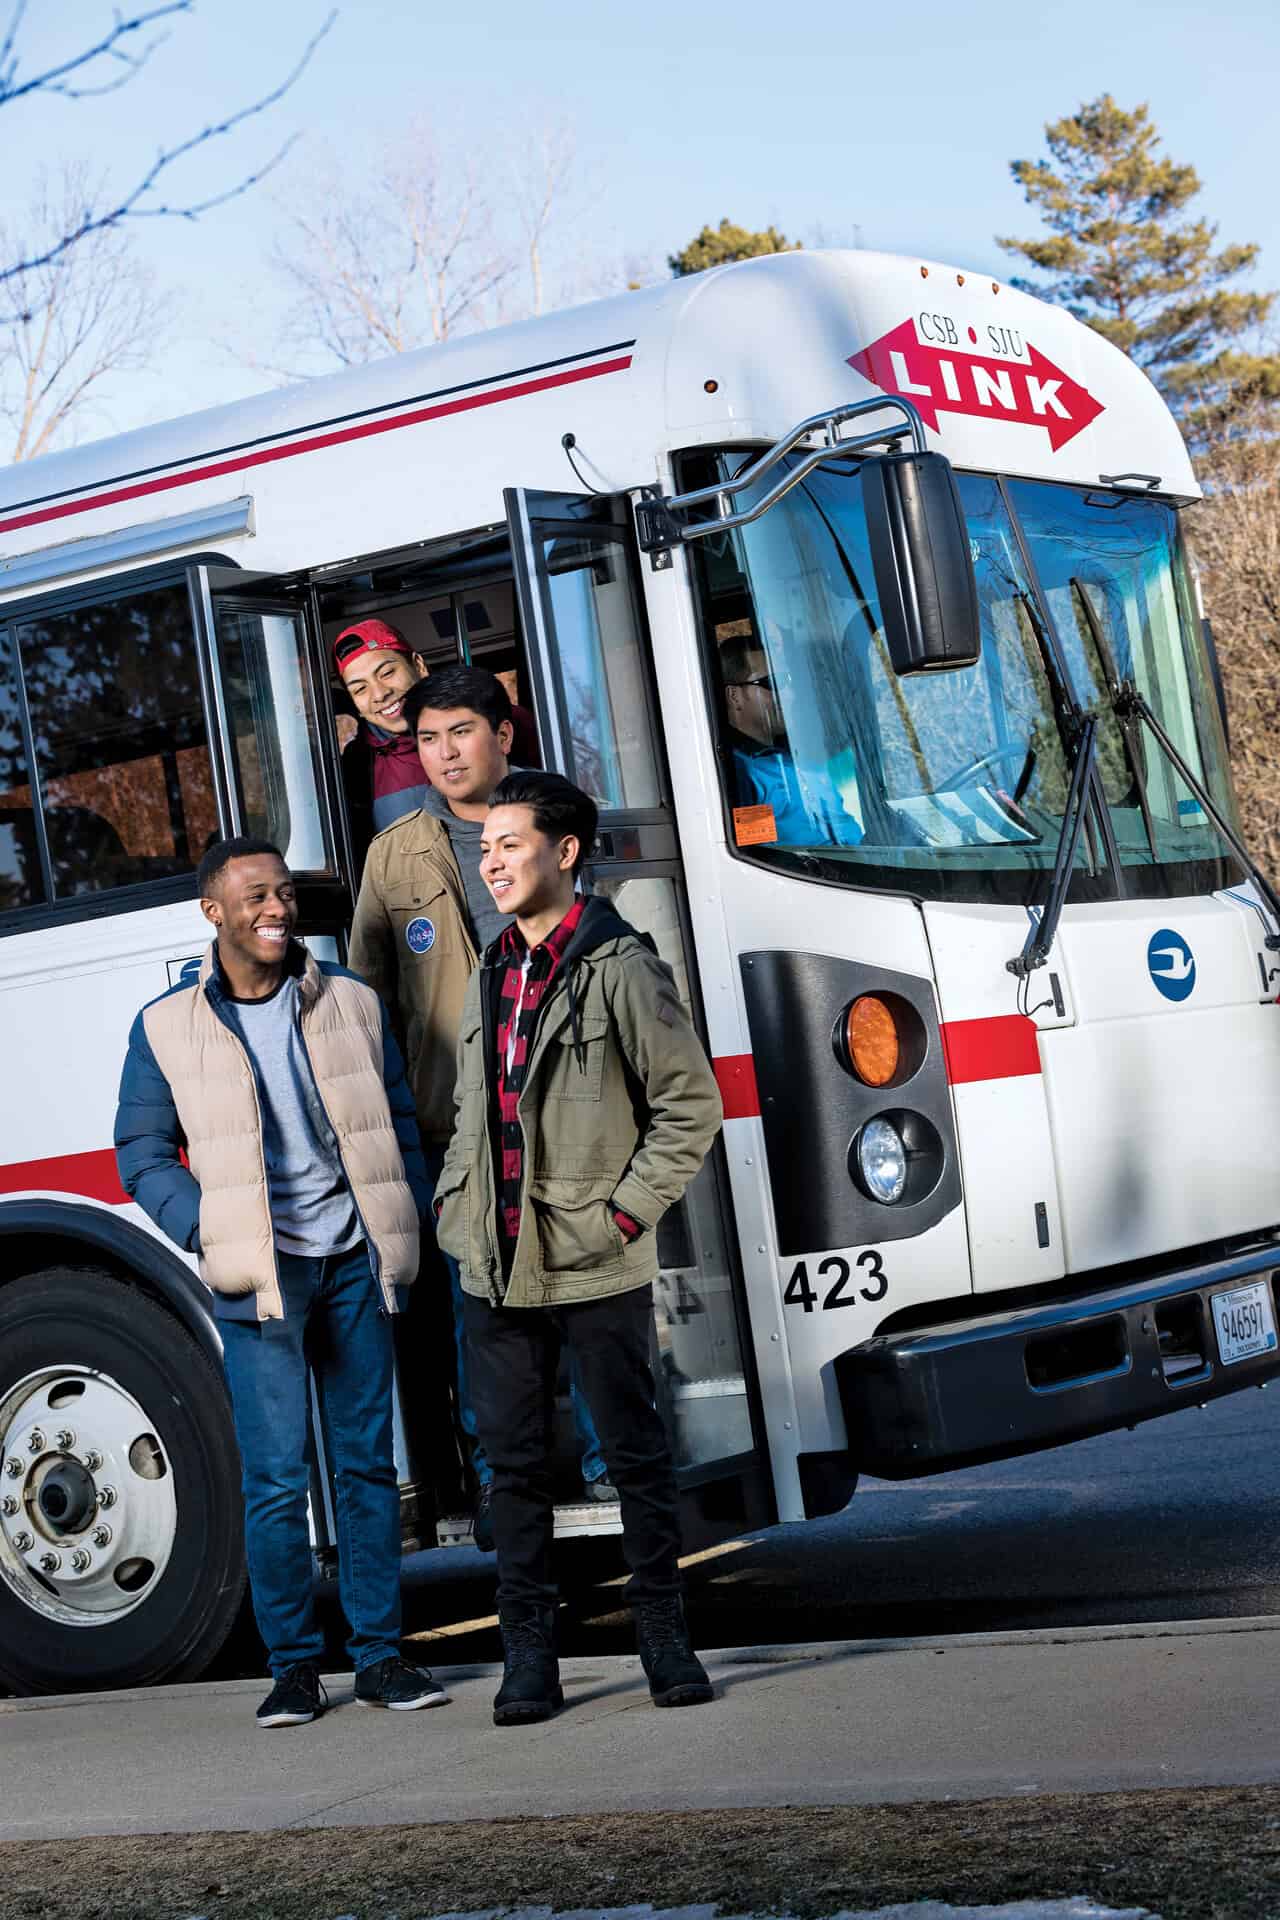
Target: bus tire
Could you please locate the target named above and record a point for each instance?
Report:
(121, 1537)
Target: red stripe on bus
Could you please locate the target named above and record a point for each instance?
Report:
(1000, 1048)
(91, 1175)
(464, 405)
(736, 1078)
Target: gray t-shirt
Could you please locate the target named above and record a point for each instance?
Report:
(487, 922)
(312, 1210)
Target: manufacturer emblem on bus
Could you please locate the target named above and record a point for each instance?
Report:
(1171, 964)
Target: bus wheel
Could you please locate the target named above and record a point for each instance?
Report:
(121, 1541)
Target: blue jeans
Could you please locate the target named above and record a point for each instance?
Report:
(336, 1328)
(593, 1467)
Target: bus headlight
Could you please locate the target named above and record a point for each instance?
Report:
(882, 1161)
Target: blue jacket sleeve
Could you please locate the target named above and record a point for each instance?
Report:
(148, 1142)
(404, 1118)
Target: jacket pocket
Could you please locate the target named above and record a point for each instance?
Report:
(451, 1218)
(576, 1233)
(576, 1071)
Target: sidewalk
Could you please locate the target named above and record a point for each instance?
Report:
(845, 1723)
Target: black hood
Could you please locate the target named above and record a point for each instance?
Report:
(600, 923)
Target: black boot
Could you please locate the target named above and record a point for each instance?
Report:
(530, 1687)
(677, 1678)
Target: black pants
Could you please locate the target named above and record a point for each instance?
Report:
(513, 1355)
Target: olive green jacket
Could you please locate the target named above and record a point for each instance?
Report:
(618, 1109)
(411, 940)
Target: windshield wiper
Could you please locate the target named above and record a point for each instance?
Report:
(1132, 734)
(1128, 704)
(1040, 935)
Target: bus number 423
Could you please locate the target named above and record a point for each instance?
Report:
(799, 1293)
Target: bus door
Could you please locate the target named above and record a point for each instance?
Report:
(270, 707)
(591, 670)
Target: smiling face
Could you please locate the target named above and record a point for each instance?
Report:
(378, 682)
(527, 872)
(254, 908)
(463, 756)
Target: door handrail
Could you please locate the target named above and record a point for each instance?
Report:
(660, 521)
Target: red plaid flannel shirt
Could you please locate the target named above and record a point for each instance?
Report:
(519, 1006)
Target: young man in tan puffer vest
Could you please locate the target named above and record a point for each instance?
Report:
(278, 1079)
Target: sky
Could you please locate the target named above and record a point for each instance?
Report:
(887, 125)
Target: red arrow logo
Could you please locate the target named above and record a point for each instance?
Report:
(1033, 392)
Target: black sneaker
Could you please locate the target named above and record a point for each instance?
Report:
(297, 1696)
(482, 1524)
(394, 1683)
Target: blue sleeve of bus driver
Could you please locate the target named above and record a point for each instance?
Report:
(404, 1118)
(149, 1142)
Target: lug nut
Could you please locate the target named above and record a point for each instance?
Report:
(23, 1542)
(36, 1443)
(106, 1496)
(93, 1459)
(10, 1503)
(50, 1562)
(14, 1468)
(65, 1439)
(102, 1536)
(81, 1560)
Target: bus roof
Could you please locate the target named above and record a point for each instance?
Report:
(1003, 382)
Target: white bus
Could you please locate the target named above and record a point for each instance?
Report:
(854, 589)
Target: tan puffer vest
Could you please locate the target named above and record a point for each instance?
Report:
(216, 1097)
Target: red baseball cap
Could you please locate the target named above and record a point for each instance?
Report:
(368, 636)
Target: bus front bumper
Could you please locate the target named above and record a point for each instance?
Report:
(932, 1398)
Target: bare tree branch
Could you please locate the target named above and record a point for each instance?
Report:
(111, 47)
(103, 212)
(412, 257)
(86, 315)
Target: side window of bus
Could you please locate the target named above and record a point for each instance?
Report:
(122, 771)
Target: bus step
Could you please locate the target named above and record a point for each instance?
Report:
(578, 1522)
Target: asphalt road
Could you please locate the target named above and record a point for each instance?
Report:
(1179, 1520)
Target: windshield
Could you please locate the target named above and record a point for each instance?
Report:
(948, 784)
(1115, 582)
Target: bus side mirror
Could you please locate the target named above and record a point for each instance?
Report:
(923, 567)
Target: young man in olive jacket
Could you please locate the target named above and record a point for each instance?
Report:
(585, 1105)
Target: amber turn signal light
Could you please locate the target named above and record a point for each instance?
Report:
(871, 1041)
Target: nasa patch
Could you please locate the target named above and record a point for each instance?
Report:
(420, 936)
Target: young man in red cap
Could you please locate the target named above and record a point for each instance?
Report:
(381, 773)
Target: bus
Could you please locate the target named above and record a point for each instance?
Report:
(854, 590)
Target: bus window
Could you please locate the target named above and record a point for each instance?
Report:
(271, 720)
(122, 758)
(597, 638)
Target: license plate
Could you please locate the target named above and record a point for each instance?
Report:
(1244, 1322)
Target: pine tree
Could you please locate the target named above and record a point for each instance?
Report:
(717, 246)
(1119, 257)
